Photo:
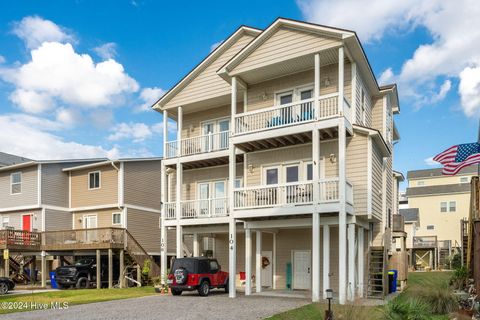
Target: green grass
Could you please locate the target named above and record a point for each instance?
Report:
(74, 297)
(416, 281)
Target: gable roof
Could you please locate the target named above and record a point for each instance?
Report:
(7, 159)
(438, 189)
(204, 63)
(437, 172)
(112, 162)
(35, 162)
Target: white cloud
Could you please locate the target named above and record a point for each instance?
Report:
(149, 96)
(68, 116)
(453, 25)
(73, 79)
(2, 59)
(386, 77)
(430, 162)
(215, 45)
(34, 31)
(107, 50)
(469, 90)
(23, 135)
(136, 131)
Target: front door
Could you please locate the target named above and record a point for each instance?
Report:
(208, 131)
(203, 197)
(27, 222)
(267, 275)
(302, 276)
(219, 198)
(90, 222)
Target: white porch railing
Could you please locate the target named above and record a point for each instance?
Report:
(298, 193)
(200, 144)
(204, 208)
(289, 114)
(170, 210)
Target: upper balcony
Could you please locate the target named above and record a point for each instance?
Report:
(197, 145)
(291, 114)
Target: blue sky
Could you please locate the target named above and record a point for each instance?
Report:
(98, 65)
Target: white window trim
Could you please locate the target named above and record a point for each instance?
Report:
(216, 124)
(113, 222)
(449, 206)
(294, 91)
(20, 183)
(89, 215)
(446, 206)
(7, 218)
(268, 167)
(99, 179)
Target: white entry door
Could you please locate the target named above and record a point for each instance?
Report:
(302, 266)
(267, 274)
(90, 222)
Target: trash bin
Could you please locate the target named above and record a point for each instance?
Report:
(392, 281)
(53, 282)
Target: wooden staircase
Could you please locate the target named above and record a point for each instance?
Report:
(139, 255)
(18, 275)
(377, 278)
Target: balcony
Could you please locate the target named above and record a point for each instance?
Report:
(425, 242)
(289, 194)
(295, 113)
(198, 209)
(19, 240)
(197, 145)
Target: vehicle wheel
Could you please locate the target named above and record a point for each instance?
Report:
(3, 288)
(204, 289)
(227, 287)
(176, 292)
(83, 283)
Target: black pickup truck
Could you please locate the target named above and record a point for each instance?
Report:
(82, 274)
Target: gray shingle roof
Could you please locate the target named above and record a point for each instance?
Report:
(441, 189)
(7, 159)
(427, 173)
(410, 215)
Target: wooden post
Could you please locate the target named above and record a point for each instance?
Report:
(6, 254)
(121, 280)
(44, 269)
(139, 276)
(99, 266)
(33, 269)
(110, 268)
(476, 254)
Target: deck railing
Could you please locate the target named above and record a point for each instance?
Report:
(20, 238)
(199, 144)
(84, 236)
(425, 242)
(204, 208)
(170, 210)
(289, 114)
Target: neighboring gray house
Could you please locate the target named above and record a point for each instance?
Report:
(7, 159)
(34, 195)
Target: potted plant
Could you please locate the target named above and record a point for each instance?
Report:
(159, 287)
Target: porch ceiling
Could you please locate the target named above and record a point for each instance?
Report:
(218, 161)
(287, 140)
(287, 67)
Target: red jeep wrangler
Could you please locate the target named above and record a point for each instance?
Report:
(201, 274)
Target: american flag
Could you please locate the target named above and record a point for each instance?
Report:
(457, 157)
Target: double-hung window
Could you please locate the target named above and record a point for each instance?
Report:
(116, 218)
(16, 183)
(94, 180)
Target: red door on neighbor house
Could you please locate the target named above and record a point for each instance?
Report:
(27, 222)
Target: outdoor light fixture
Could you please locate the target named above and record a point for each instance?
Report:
(250, 168)
(329, 313)
(327, 82)
(333, 158)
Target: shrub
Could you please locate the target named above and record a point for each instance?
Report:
(410, 309)
(459, 278)
(456, 261)
(439, 300)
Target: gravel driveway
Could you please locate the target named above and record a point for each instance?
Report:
(188, 306)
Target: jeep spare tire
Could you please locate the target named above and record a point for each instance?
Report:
(181, 275)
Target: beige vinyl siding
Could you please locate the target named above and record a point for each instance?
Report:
(377, 181)
(378, 116)
(142, 183)
(262, 95)
(145, 228)
(296, 154)
(368, 102)
(107, 194)
(29, 194)
(57, 220)
(285, 44)
(171, 242)
(377, 234)
(208, 84)
(55, 184)
(104, 218)
(389, 189)
(192, 177)
(356, 170)
(438, 180)
(15, 219)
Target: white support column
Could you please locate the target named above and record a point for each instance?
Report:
(258, 262)
(342, 215)
(233, 103)
(315, 256)
(43, 267)
(341, 82)
(163, 229)
(316, 89)
(248, 262)
(361, 260)
(196, 245)
(179, 131)
(165, 130)
(351, 262)
(232, 258)
(274, 262)
(179, 241)
(326, 259)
